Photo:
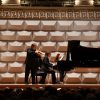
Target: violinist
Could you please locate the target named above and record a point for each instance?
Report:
(32, 63)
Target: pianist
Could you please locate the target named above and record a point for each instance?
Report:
(58, 59)
(47, 67)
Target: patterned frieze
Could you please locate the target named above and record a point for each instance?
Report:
(48, 13)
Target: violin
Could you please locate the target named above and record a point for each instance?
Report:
(40, 53)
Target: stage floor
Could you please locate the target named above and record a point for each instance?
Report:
(54, 85)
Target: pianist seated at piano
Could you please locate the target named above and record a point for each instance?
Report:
(47, 67)
(58, 59)
(78, 56)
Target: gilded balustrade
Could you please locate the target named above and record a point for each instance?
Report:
(50, 13)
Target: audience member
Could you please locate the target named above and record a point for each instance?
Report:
(49, 93)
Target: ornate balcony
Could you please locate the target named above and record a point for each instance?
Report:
(50, 13)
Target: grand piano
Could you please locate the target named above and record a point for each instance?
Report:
(79, 56)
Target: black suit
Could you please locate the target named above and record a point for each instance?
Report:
(47, 69)
(32, 63)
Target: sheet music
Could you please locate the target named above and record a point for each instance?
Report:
(61, 57)
(55, 63)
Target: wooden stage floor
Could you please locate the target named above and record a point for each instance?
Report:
(53, 85)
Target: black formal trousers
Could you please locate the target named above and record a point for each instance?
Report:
(30, 68)
(47, 71)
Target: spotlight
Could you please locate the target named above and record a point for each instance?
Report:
(0, 2)
(10, 2)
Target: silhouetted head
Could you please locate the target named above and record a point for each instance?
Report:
(34, 46)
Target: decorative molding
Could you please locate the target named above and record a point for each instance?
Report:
(48, 13)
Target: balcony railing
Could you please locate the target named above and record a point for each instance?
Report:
(50, 13)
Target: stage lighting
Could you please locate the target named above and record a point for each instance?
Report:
(0, 2)
(10, 2)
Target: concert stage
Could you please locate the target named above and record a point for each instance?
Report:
(94, 86)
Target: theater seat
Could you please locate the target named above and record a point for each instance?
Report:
(48, 25)
(81, 70)
(20, 56)
(20, 78)
(95, 25)
(8, 35)
(81, 25)
(64, 25)
(87, 70)
(15, 25)
(74, 35)
(8, 56)
(7, 78)
(62, 46)
(3, 46)
(95, 44)
(15, 46)
(3, 24)
(48, 46)
(72, 78)
(24, 36)
(3, 67)
(40, 36)
(90, 78)
(32, 25)
(85, 44)
(57, 36)
(15, 67)
(89, 36)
